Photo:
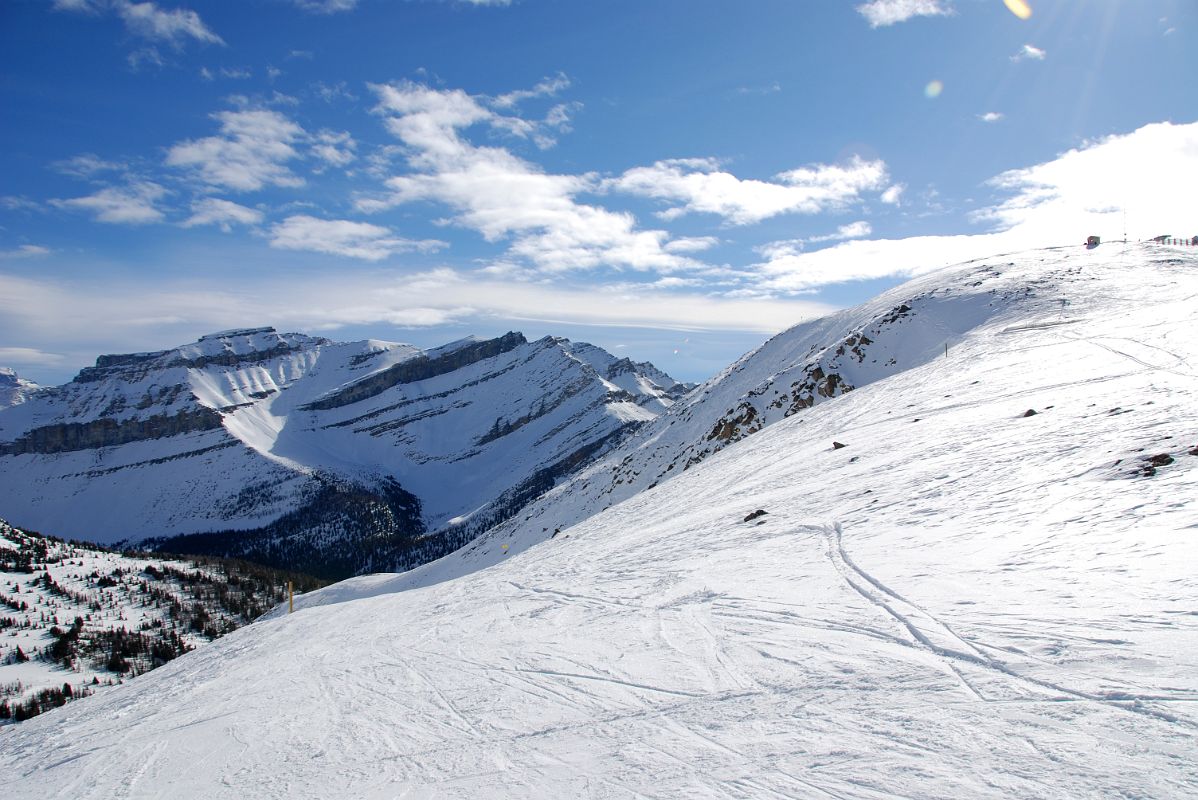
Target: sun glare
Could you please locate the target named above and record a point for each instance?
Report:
(1019, 8)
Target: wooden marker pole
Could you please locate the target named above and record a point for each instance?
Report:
(290, 599)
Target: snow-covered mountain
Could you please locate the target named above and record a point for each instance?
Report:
(13, 388)
(323, 456)
(987, 591)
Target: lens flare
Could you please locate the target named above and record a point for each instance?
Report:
(1019, 8)
(933, 89)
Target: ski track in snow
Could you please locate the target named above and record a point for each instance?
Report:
(975, 604)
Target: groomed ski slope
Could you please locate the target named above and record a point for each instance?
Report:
(961, 602)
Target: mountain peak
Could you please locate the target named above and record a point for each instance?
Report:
(13, 388)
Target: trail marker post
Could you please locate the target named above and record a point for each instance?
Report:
(290, 598)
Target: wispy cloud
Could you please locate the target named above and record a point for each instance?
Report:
(990, 116)
(330, 92)
(133, 204)
(25, 251)
(881, 13)
(548, 87)
(326, 6)
(174, 26)
(85, 165)
(700, 186)
(772, 88)
(225, 213)
(110, 314)
(343, 238)
(251, 152)
(12, 202)
(28, 355)
(1029, 52)
(333, 148)
(231, 73)
(147, 21)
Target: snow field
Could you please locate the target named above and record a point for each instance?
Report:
(963, 601)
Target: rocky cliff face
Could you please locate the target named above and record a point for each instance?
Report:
(301, 452)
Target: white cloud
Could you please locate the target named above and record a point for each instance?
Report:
(28, 355)
(343, 238)
(854, 230)
(147, 20)
(701, 186)
(548, 87)
(335, 149)
(326, 6)
(25, 251)
(12, 202)
(250, 153)
(1028, 51)
(893, 194)
(85, 165)
(990, 116)
(335, 91)
(772, 88)
(133, 204)
(151, 22)
(881, 13)
(1148, 173)
(502, 196)
(66, 313)
(691, 244)
(225, 213)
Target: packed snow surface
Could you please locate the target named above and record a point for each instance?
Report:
(965, 600)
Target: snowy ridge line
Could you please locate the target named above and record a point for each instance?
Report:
(1123, 700)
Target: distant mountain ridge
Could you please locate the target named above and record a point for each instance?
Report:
(329, 457)
(13, 388)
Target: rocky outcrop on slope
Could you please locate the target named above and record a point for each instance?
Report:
(107, 432)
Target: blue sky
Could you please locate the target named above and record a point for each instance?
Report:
(670, 179)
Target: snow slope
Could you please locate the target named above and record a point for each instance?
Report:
(963, 601)
(90, 618)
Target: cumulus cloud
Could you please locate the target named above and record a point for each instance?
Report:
(250, 153)
(225, 213)
(343, 238)
(1028, 51)
(701, 186)
(1147, 173)
(502, 196)
(893, 194)
(133, 204)
(990, 116)
(881, 13)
